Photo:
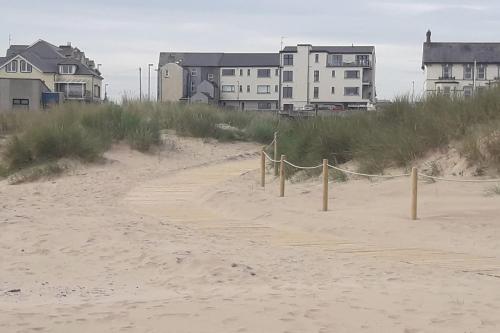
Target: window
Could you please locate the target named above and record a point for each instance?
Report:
(11, 67)
(71, 90)
(228, 89)
(351, 91)
(276, 72)
(333, 90)
(25, 67)
(67, 69)
(276, 88)
(194, 72)
(248, 72)
(241, 89)
(287, 92)
(467, 91)
(264, 106)
(363, 60)
(447, 71)
(210, 77)
(316, 76)
(263, 89)
(248, 89)
(334, 60)
(288, 60)
(467, 72)
(287, 76)
(263, 73)
(316, 58)
(20, 102)
(481, 72)
(193, 87)
(166, 73)
(241, 72)
(316, 92)
(97, 91)
(228, 72)
(351, 74)
(333, 73)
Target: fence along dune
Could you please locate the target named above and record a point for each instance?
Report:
(325, 166)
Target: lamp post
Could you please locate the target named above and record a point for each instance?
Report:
(106, 92)
(149, 81)
(140, 84)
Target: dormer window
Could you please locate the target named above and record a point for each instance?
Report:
(11, 67)
(67, 69)
(25, 67)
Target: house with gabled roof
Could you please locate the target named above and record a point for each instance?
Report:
(62, 69)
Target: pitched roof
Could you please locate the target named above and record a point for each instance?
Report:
(461, 53)
(46, 57)
(16, 49)
(192, 59)
(335, 49)
(250, 59)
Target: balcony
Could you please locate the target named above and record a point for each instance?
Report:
(363, 63)
(446, 78)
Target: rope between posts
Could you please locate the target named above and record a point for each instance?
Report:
(270, 159)
(460, 180)
(367, 175)
(303, 168)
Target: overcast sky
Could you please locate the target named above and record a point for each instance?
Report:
(125, 34)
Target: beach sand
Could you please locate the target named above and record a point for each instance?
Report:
(186, 240)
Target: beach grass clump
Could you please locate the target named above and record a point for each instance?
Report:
(43, 171)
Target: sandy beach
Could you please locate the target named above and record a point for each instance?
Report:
(185, 240)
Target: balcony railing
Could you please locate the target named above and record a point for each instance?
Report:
(361, 63)
(446, 78)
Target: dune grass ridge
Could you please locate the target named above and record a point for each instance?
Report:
(393, 137)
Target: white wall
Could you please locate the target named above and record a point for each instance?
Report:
(433, 72)
(253, 81)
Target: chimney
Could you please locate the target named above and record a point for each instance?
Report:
(68, 44)
(429, 33)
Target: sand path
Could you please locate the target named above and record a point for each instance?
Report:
(168, 245)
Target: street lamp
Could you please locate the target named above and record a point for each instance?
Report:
(149, 81)
(106, 92)
(140, 84)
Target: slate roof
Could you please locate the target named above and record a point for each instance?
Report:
(192, 59)
(46, 57)
(461, 53)
(250, 59)
(336, 49)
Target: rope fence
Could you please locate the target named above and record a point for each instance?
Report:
(279, 169)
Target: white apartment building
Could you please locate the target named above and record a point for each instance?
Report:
(327, 75)
(459, 69)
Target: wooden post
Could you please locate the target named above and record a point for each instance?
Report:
(262, 168)
(325, 185)
(282, 176)
(414, 191)
(275, 157)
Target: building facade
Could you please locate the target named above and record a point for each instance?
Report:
(245, 81)
(64, 70)
(294, 78)
(327, 75)
(459, 69)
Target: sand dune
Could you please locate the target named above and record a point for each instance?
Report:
(187, 241)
